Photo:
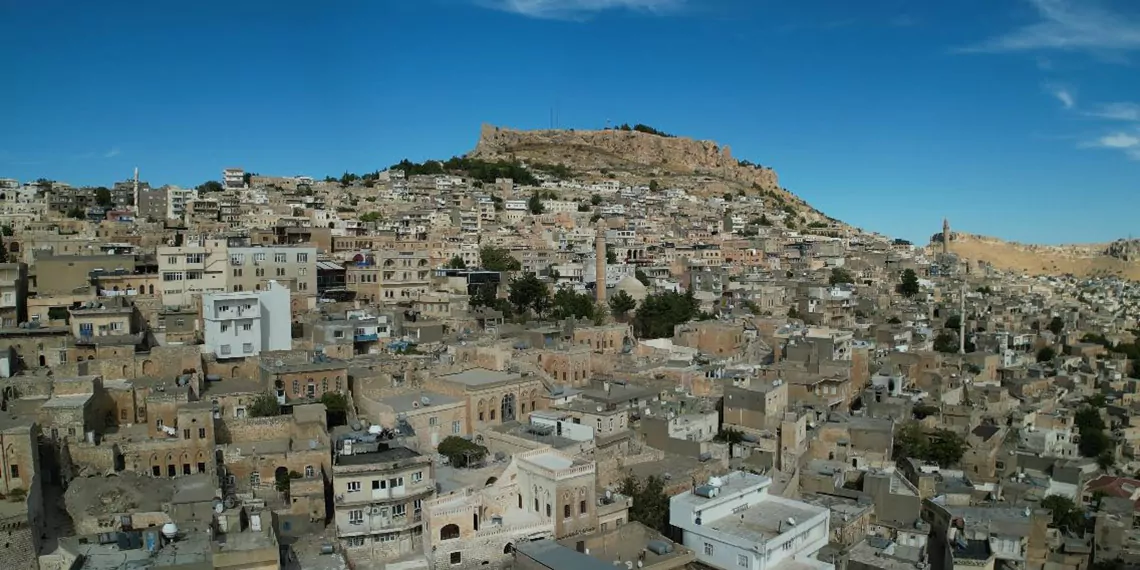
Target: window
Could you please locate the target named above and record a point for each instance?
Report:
(172, 276)
(356, 516)
(433, 421)
(247, 327)
(378, 484)
(225, 328)
(296, 386)
(566, 511)
(259, 256)
(15, 471)
(195, 258)
(302, 271)
(279, 257)
(158, 423)
(172, 260)
(247, 347)
(309, 471)
(581, 507)
(201, 433)
(237, 258)
(417, 476)
(255, 479)
(201, 467)
(708, 549)
(354, 541)
(742, 560)
(353, 486)
(186, 433)
(280, 271)
(193, 275)
(225, 349)
(399, 510)
(302, 258)
(455, 427)
(456, 557)
(396, 482)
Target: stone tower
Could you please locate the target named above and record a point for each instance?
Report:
(600, 262)
(945, 236)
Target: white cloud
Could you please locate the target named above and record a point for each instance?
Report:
(1117, 140)
(573, 9)
(1069, 25)
(1063, 94)
(111, 153)
(1116, 111)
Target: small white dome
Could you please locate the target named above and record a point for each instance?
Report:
(170, 530)
(632, 287)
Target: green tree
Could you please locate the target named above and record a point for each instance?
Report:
(596, 200)
(660, 313)
(370, 217)
(729, 435)
(210, 186)
(953, 323)
(534, 204)
(621, 304)
(945, 448)
(1056, 325)
(650, 503)
(498, 259)
(6, 230)
(584, 207)
(654, 186)
(460, 452)
(528, 293)
(336, 408)
(103, 196)
(456, 263)
(641, 276)
(264, 405)
(611, 257)
(894, 321)
(1046, 354)
(282, 479)
(908, 287)
(793, 312)
(568, 304)
(910, 441)
(1066, 514)
(728, 196)
(77, 214)
(840, 275)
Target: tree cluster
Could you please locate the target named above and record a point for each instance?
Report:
(650, 503)
(210, 186)
(944, 447)
(840, 275)
(621, 304)
(1095, 440)
(478, 169)
(460, 452)
(498, 259)
(908, 286)
(661, 312)
(1131, 351)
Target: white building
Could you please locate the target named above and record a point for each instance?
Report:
(233, 178)
(246, 323)
(733, 522)
(176, 199)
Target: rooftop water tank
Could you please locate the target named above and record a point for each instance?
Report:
(170, 530)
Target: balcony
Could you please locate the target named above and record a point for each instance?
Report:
(366, 337)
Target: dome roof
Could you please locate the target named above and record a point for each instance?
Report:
(632, 287)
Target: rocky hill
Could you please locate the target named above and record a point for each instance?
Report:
(1120, 258)
(702, 167)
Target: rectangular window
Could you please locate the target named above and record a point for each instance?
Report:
(259, 256)
(186, 433)
(302, 258)
(225, 327)
(355, 541)
(201, 433)
(172, 276)
(225, 349)
(708, 549)
(172, 260)
(397, 482)
(247, 347)
(195, 258)
(455, 427)
(356, 516)
(15, 471)
(433, 421)
(302, 271)
(193, 275)
(280, 271)
(237, 258)
(279, 258)
(417, 476)
(247, 327)
(742, 560)
(456, 557)
(353, 486)
(399, 510)
(377, 484)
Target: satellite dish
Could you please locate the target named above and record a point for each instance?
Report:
(279, 363)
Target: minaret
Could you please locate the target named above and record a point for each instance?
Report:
(136, 189)
(945, 236)
(600, 262)
(961, 317)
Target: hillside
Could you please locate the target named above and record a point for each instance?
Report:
(701, 167)
(1087, 260)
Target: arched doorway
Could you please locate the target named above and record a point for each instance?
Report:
(449, 532)
(508, 408)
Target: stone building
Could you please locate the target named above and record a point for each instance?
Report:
(302, 376)
(378, 495)
(492, 397)
(542, 493)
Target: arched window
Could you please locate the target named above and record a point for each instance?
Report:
(449, 532)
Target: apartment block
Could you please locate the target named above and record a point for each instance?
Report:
(378, 499)
(191, 270)
(246, 323)
(252, 268)
(13, 294)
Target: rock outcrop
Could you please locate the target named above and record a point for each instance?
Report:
(627, 151)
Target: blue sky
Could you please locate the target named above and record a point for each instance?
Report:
(1014, 118)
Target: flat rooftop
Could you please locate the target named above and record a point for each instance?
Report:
(480, 377)
(763, 521)
(551, 461)
(385, 456)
